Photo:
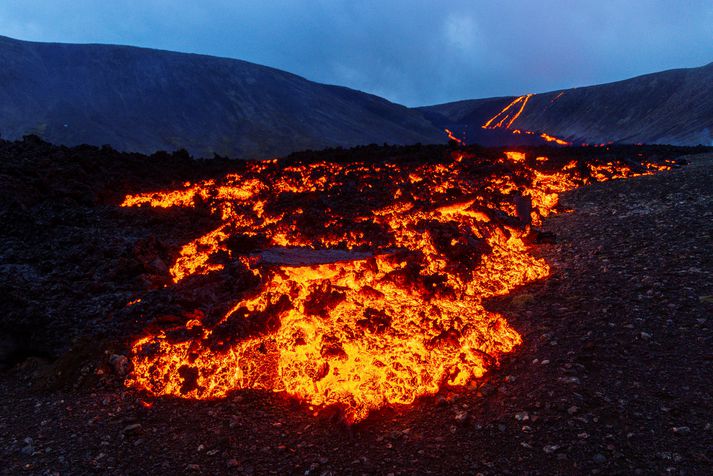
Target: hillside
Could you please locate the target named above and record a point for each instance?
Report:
(144, 100)
(669, 107)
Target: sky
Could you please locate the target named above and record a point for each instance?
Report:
(413, 52)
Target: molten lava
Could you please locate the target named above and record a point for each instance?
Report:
(370, 278)
(510, 113)
(452, 137)
(550, 138)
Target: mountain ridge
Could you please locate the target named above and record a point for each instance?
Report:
(555, 91)
(634, 110)
(144, 99)
(141, 99)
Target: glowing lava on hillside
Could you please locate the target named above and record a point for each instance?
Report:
(452, 137)
(507, 116)
(370, 278)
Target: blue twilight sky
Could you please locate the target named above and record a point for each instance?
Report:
(415, 52)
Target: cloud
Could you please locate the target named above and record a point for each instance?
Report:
(414, 52)
(460, 33)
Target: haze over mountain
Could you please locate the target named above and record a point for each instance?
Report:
(669, 107)
(144, 100)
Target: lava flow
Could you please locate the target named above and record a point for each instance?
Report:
(512, 111)
(508, 114)
(452, 137)
(368, 279)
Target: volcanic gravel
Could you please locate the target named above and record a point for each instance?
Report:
(614, 375)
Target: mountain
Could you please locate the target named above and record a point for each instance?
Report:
(143, 100)
(669, 107)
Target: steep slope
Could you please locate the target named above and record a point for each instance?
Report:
(142, 100)
(670, 107)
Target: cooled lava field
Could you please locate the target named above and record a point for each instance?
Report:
(377, 310)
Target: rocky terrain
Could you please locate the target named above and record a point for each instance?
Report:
(669, 107)
(613, 375)
(143, 100)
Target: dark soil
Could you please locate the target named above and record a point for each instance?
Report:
(614, 375)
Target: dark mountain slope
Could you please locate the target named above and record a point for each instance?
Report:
(143, 100)
(671, 107)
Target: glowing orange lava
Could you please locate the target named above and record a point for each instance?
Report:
(510, 113)
(453, 137)
(550, 138)
(371, 276)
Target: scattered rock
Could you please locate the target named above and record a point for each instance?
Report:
(599, 458)
(28, 449)
(131, 429)
(549, 449)
(461, 416)
(120, 365)
(522, 416)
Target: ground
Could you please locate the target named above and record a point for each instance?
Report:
(613, 376)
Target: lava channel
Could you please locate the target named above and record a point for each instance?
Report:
(371, 277)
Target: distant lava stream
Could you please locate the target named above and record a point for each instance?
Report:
(372, 276)
(510, 113)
